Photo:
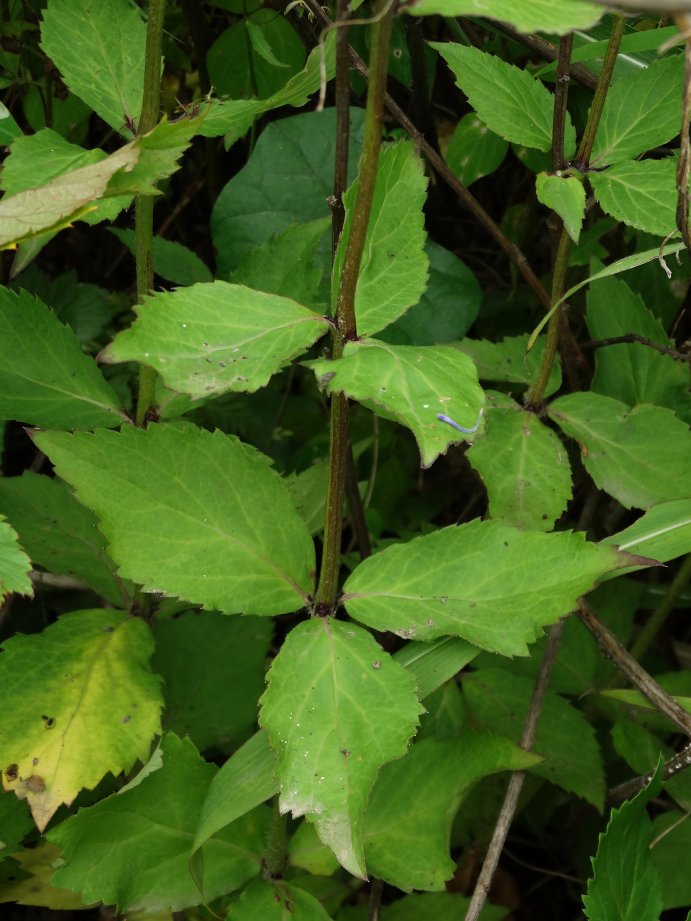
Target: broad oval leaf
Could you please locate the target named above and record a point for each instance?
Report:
(327, 690)
(493, 585)
(509, 360)
(15, 565)
(98, 47)
(524, 467)
(180, 515)
(149, 825)
(413, 384)
(552, 16)
(566, 196)
(641, 456)
(276, 900)
(247, 778)
(60, 534)
(215, 337)
(63, 200)
(499, 701)
(641, 112)
(474, 151)
(511, 102)
(393, 270)
(45, 377)
(85, 702)
(625, 883)
(640, 193)
(416, 799)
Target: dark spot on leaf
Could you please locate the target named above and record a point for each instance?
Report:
(35, 762)
(109, 629)
(345, 753)
(49, 721)
(35, 784)
(126, 719)
(12, 772)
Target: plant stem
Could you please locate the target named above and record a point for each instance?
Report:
(144, 204)
(276, 852)
(536, 391)
(683, 21)
(501, 829)
(593, 123)
(677, 763)
(638, 676)
(467, 199)
(663, 610)
(346, 328)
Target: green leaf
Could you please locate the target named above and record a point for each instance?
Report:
(15, 822)
(159, 151)
(513, 104)
(408, 820)
(625, 884)
(566, 196)
(499, 702)
(85, 307)
(670, 854)
(640, 456)
(287, 179)
(35, 888)
(180, 515)
(435, 663)
(393, 270)
(37, 159)
(151, 826)
(199, 655)
(216, 337)
(246, 780)
(285, 265)
(641, 112)
(509, 360)
(15, 565)
(89, 704)
(60, 534)
(663, 533)
(640, 193)
(526, 15)
(525, 468)
(9, 129)
(325, 689)
(474, 151)
(446, 310)
(473, 581)
(45, 378)
(306, 851)
(234, 117)
(171, 260)
(255, 57)
(437, 906)
(276, 900)
(412, 384)
(63, 200)
(98, 47)
(632, 373)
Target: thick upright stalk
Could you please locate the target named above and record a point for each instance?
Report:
(144, 204)
(346, 328)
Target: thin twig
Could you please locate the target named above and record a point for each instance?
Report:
(663, 610)
(630, 338)
(514, 253)
(501, 829)
(679, 762)
(374, 904)
(637, 675)
(683, 21)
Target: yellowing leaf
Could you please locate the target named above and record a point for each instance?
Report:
(84, 702)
